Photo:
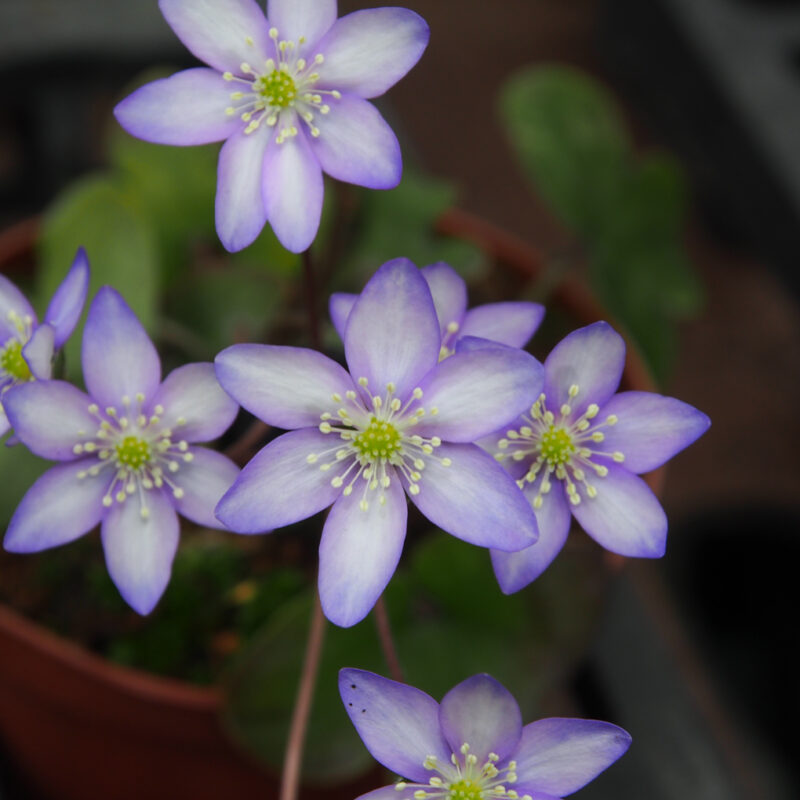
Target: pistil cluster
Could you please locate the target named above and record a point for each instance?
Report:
(560, 446)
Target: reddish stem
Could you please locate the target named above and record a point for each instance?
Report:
(387, 642)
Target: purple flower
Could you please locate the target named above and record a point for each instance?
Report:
(401, 422)
(580, 449)
(27, 347)
(512, 324)
(129, 460)
(288, 95)
(473, 745)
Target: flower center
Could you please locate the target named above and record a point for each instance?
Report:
(379, 439)
(133, 452)
(278, 88)
(563, 446)
(13, 363)
(465, 790)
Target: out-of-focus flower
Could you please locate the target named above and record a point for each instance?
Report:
(511, 323)
(473, 745)
(128, 450)
(580, 449)
(403, 421)
(27, 347)
(289, 94)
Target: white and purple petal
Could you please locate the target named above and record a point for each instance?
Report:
(449, 293)
(57, 509)
(481, 713)
(310, 19)
(38, 352)
(201, 483)
(187, 108)
(12, 302)
(339, 306)
(359, 551)
(398, 724)
(511, 323)
(475, 499)
(119, 359)
(67, 303)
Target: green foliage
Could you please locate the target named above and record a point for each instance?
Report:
(19, 468)
(628, 213)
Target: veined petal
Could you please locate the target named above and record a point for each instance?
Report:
(515, 571)
(359, 551)
(357, 145)
(223, 33)
(591, 358)
(368, 51)
(66, 306)
(239, 206)
(57, 509)
(392, 334)
(12, 302)
(508, 323)
(650, 428)
(5, 427)
(292, 189)
(279, 486)
(310, 19)
(50, 417)
(449, 294)
(560, 756)
(202, 482)
(399, 724)
(475, 499)
(118, 358)
(478, 391)
(482, 713)
(384, 793)
(139, 552)
(625, 516)
(185, 109)
(196, 407)
(38, 352)
(339, 306)
(285, 386)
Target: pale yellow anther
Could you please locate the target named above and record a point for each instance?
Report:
(566, 410)
(573, 390)
(612, 419)
(414, 489)
(618, 457)
(446, 462)
(598, 436)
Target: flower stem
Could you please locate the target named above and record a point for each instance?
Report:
(311, 300)
(387, 642)
(293, 760)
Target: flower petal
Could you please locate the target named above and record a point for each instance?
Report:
(625, 516)
(651, 428)
(196, 407)
(399, 724)
(285, 386)
(38, 352)
(223, 33)
(514, 571)
(185, 109)
(392, 334)
(339, 307)
(239, 205)
(368, 51)
(476, 392)
(202, 482)
(50, 417)
(508, 323)
(292, 189)
(449, 293)
(482, 713)
(66, 306)
(591, 358)
(12, 302)
(139, 552)
(475, 499)
(57, 509)
(384, 793)
(278, 486)
(118, 358)
(560, 756)
(310, 19)
(359, 552)
(357, 145)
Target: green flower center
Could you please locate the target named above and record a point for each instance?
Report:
(465, 789)
(133, 452)
(278, 88)
(13, 363)
(379, 439)
(557, 446)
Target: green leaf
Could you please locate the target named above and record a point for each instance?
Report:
(19, 468)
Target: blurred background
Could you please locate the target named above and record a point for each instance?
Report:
(692, 654)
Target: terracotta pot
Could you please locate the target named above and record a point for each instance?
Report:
(78, 727)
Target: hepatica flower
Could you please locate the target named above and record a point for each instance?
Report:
(473, 745)
(129, 460)
(398, 423)
(510, 323)
(289, 94)
(27, 347)
(580, 448)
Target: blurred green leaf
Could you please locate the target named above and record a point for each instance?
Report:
(19, 468)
